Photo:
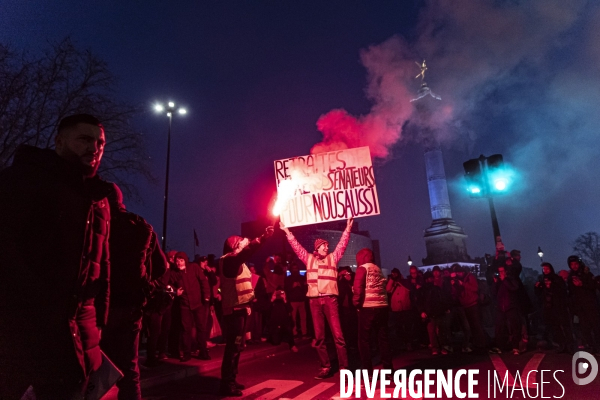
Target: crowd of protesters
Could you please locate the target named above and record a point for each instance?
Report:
(104, 279)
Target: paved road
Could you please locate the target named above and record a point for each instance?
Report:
(290, 376)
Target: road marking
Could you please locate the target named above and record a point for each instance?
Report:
(532, 365)
(377, 396)
(312, 392)
(277, 387)
(501, 368)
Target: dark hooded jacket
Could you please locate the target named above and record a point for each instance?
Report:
(196, 290)
(54, 229)
(506, 292)
(433, 300)
(137, 261)
(584, 295)
(554, 298)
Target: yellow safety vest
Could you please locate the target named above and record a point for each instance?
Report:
(321, 276)
(375, 294)
(236, 291)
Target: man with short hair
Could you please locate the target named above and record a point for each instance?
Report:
(507, 312)
(582, 293)
(552, 291)
(54, 287)
(295, 289)
(371, 300)
(137, 262)
(193, 299)
(321, 274)
(402, 318)
(468, 295)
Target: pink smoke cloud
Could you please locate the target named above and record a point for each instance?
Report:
(470, 47)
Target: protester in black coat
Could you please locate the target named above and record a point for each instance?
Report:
(193, 300)
(434, 304)
(582, 291)
(54, 284)
(508, 320)
(137, 262)
(552, 291)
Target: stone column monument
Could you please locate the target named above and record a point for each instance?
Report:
(445, 241)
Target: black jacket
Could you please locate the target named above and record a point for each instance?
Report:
(54, 229)
(506, 293)
(136, 259)
(196, 290)
(298, 293)
(584, 295)
(433, 300)
(554, 299)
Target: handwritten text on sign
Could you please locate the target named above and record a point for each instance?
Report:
(326, 187)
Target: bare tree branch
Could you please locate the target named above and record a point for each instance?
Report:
(587, 246)
(36, 93)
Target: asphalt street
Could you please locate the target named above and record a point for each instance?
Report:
(287, 375)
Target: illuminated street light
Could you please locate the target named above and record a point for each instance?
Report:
(409, 261)
(159, 108)
(487, 177)
(500, 184)
(540, 254)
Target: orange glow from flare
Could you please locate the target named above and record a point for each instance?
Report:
(284, 193)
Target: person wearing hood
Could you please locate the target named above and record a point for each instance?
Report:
(434, 305)
(582, 291)
(371, 300)
(193, 299)
(136, 263)
(402, 317)
(237, 295)
(160, 324)
(321, 276)
(552, 291)
(54, 288)
(505, 289)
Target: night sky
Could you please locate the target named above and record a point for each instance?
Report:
(521, 78)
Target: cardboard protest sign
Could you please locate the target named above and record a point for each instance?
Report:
(325, 187)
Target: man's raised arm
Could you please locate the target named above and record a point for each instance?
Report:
(296, 246)
(343, 243)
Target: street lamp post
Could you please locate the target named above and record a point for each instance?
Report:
(540, 254)
(170, 109)
(409, 261)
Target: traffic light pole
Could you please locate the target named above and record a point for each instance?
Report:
(484, 167)
(495, 226)
(477, 170)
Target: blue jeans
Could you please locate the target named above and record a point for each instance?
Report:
(327, 307)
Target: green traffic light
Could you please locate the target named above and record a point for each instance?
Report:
(500, 184)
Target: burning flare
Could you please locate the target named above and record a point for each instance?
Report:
(284, 193)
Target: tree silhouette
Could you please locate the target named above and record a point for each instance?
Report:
(36, 92)
(587, 246)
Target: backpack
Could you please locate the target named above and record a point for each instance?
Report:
(400, 298)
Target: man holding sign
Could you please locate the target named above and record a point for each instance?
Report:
(321, 274)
